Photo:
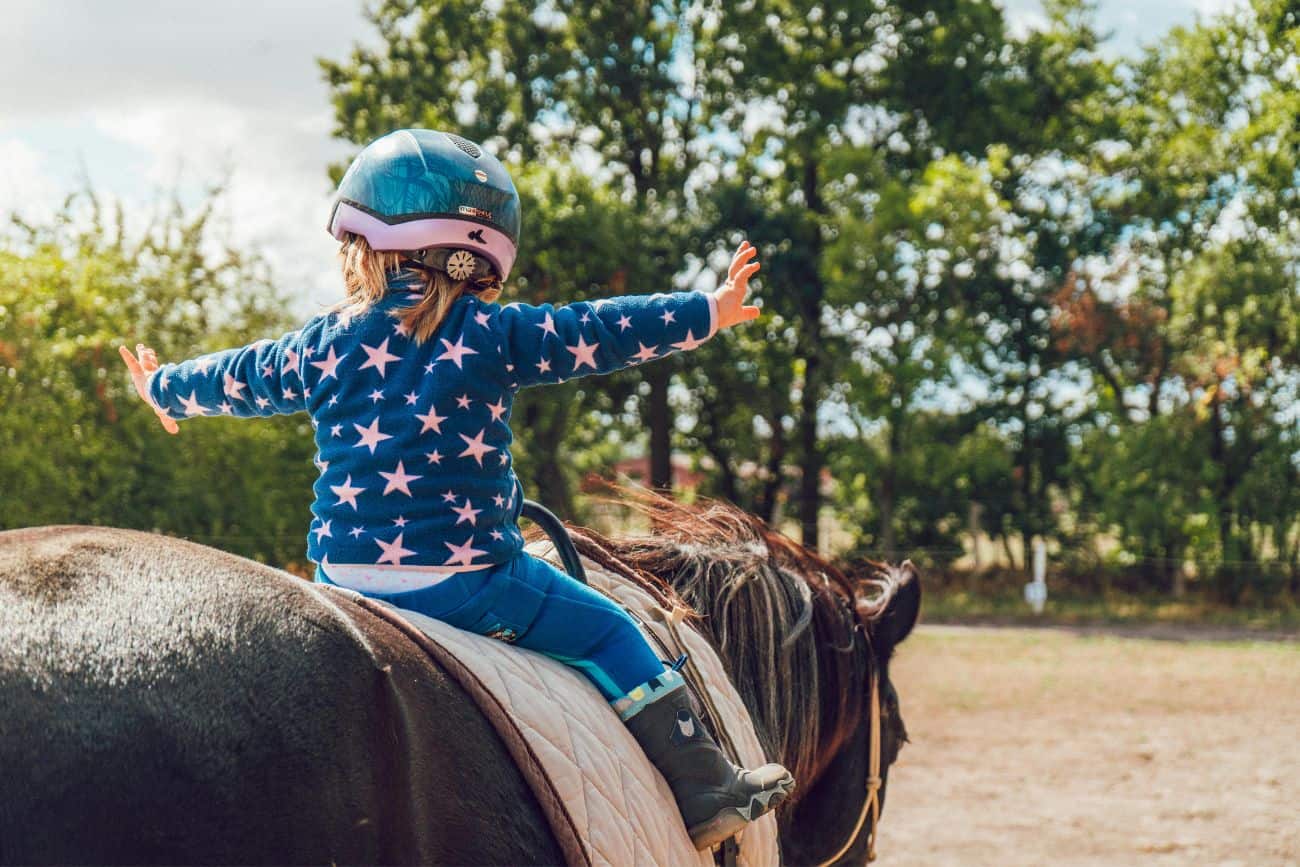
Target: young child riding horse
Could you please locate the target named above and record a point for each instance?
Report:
(409, 382)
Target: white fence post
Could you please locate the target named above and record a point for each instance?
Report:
(1036, 590)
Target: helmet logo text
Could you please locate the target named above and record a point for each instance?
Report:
(477, 235)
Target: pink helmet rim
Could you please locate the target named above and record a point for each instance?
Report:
(420, 233)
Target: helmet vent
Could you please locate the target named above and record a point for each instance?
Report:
(466, 145)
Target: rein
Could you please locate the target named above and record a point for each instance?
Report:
(871, 802)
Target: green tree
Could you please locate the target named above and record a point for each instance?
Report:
(1193, 316)
(77, 445)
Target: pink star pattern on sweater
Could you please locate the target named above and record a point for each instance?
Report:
(463, 553)
(689, 343)
(347, 493)
(475, 447)
(646, 353)
(192, 406)
(329, 365)
(456, 352)
(583, 353)
(371, 436)
(233, 387)
(432, 421)
(467, 512)
(378, 357)
(393, 551)
(399, 480)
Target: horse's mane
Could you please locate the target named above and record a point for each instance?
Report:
(777, 612)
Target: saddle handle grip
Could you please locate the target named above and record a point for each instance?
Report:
(559, 536)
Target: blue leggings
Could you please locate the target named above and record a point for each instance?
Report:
(530, 603)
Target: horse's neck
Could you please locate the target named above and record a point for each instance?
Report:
(794, 693)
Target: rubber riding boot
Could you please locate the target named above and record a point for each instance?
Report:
(716, 798)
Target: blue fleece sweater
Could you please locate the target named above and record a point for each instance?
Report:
(413, 440)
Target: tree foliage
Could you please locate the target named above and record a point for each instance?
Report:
(77, 445)
(1013, 287)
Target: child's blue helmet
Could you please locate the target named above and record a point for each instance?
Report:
(431, 194)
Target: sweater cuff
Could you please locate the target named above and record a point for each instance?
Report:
(713, 315)
(155, 398)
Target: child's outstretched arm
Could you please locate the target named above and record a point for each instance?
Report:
(545, 344)
(262, 379)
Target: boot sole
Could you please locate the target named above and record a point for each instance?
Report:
(731, 820)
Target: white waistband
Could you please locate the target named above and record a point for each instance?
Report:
(368, 578)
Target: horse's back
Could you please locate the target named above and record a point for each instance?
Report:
(162, 701)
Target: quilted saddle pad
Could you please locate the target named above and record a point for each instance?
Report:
(607, 804)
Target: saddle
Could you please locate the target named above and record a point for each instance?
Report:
(605, 802)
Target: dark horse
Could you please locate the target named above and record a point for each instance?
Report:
(165, 702)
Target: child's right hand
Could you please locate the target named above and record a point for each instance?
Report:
(140, 368)
(730, 298)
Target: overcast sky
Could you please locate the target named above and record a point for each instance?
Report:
(142, 95)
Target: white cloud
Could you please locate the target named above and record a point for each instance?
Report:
(1214, 7)
(276, 194)
(65, 55)
(26, 187)
(153, 98)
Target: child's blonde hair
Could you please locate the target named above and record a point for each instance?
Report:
(365, 276)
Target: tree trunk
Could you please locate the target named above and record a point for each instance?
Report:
(810, 495)
(1227, 580)
(889, 480)
(1179, 589)
(888, 539)
(659, 416)
(812, 297)
(973, 528)
(771, 490)
(886, 492)
(726, 483)
(1023, 520)
(1011, 554)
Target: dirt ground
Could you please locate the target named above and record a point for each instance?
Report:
(1036, 747)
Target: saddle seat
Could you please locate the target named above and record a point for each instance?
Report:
(606, 803)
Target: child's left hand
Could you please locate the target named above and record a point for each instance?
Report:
(730, 297)
(140, 369)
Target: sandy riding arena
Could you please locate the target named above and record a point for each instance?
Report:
(1037, 747)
